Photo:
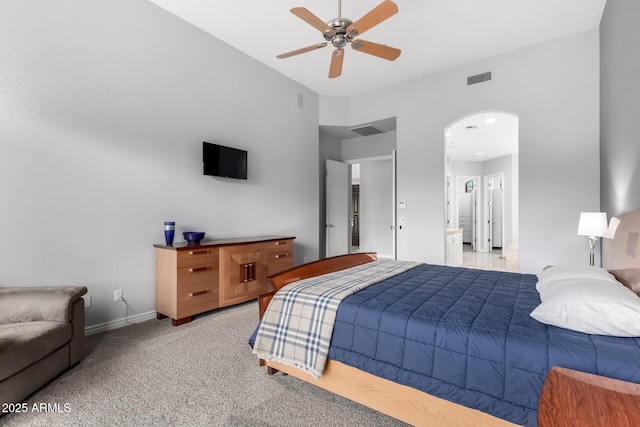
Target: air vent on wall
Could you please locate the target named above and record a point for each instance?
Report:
(479, 78)
(366, 130)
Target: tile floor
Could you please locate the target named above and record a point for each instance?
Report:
(484, 260)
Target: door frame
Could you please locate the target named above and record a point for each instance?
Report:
(394, 213)
(511, 192)
(476, 201)
(488, 228)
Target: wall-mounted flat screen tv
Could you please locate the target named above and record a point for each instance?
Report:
(224, 161)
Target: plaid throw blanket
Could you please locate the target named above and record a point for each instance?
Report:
(297, 326)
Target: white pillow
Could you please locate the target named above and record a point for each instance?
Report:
(550, 287)
(592, 307)
(569, 271)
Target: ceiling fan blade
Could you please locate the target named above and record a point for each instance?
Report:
(303, 50)
(312, 20)
(384, 10)
(379, 50)
(335, 69)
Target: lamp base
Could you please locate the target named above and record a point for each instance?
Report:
(592, 246)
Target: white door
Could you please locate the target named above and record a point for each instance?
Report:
(494, 210)
(496, 204)
(474, 219)
(468, 209)
(394, 202)
(490, 213)
(448, 201)
(464, 216)
(338, 199)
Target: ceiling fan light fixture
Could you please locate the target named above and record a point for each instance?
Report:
(339, 41)
(341, 32)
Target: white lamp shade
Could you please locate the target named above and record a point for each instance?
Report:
(592, 224)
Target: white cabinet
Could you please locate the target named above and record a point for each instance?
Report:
(453, 251)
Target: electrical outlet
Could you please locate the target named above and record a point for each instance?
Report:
(87, 300)
(117, 295)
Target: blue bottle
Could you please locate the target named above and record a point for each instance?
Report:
(169, 230)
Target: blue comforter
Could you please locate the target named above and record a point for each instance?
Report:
(466, 335)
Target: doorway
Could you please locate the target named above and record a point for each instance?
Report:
(481, 162)
(360, 206)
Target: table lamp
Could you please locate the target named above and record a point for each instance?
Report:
(592, 225)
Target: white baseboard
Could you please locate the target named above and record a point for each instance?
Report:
(119, 323)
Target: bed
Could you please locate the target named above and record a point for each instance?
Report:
(437, 345)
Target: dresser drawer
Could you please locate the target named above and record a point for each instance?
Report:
(280, 245)
(280, 262)
(198, 301)
(192, 279)
(280, 256)
(198, 257)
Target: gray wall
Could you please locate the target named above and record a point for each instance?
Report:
(553, 88)
(363, 147)
(104, 108)
(620, 106)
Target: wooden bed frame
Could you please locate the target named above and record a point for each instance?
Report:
(568, 397)
(398, 401)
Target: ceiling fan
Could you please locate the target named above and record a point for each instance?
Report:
(342, 31)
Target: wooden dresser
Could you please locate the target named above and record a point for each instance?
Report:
(192, 279)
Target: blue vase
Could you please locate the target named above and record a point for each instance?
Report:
(169, 231)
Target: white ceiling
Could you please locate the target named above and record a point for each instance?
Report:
(434, 35)
(482, 137)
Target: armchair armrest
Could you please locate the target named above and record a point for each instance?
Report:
(28, 304)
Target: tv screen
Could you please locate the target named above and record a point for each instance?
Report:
(224, 161)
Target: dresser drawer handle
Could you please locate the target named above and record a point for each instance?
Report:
(196, 269)
(197, 294)
(201, 252)
(284, 242)
(281, 256)
(249, 272)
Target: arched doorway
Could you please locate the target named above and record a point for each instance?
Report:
(481, 167)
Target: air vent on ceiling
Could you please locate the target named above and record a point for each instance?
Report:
(479, 78)
(366, 130)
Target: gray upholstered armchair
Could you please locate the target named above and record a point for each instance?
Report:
(41, 336)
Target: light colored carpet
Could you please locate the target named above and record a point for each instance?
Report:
(199, 374)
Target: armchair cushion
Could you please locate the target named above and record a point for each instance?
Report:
(24, 343)
(43, 303)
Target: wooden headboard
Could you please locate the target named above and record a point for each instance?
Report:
(621, 244)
